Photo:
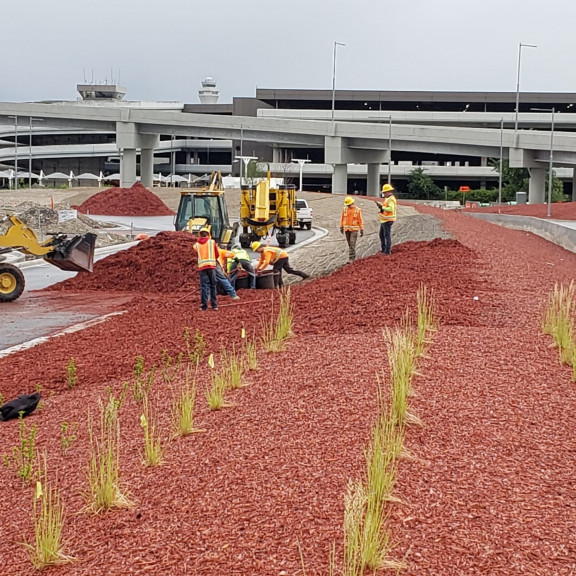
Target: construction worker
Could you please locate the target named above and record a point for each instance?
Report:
(240, 260)
(279, 260)
(387, 216)
(351, 224)
(221, 278)
(207, 259)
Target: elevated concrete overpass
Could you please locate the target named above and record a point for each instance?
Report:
(345, 142)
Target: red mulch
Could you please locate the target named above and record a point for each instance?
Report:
(558, 211)
(490, 490)
(134, 201)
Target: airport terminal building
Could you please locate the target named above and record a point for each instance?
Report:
(33, 143)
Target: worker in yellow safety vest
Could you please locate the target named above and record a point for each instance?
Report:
(351, 224)
(279, 260)
(208, 254)
(240, 261)
(387, 217)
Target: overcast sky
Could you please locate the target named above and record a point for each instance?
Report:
(161, 50)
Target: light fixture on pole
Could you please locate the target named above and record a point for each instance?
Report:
(30, 151)
(334, 77)
(500, 174)
(301, 164)
(551, 164)
(520, 46)
(15, 151)
(245, 160)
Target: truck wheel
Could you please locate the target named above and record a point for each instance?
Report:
(291, 237)
(309, 225)
(282, 240)
(302, 225)
(11, 282)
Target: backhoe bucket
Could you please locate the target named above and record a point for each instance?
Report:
(74, 255)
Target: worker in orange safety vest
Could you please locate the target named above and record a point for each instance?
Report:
(351, 224)
(208, 254)
(387, 217)
(279, 260)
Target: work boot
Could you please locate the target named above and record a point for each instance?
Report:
(235, 297)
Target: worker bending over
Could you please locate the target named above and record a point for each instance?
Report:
(221, 278)
(351, 224)
(279, 260)
(239, 260)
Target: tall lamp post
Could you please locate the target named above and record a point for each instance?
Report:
(552, 111)
(520, 46)
(15, 151)
(500, 174)
(334, 77)
(30, 151)
(244, 160)
(301, 164)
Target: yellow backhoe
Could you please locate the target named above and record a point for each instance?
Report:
(74, 254)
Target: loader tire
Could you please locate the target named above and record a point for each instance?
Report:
(291, 237)
(11, 282)
(282, 240)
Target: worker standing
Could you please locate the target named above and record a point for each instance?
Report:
(240, 260)
(351, 224)
(208, 254)
(279, 260)
(387, 217)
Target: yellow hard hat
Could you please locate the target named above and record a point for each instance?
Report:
(255, 246)
(387, 188)
(205, 229)
(348, 200)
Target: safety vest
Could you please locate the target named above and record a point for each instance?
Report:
(351, 219)
(224, 258)
(240, 254)
(206, 254)
(276, 253)
(388, 211)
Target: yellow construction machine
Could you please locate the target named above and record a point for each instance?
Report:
(263, 208)
(74, 254)
(206, 207)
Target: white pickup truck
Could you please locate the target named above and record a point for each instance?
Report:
(304, 213)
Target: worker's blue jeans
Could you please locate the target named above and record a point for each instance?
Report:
(223, 281)
(386, 237)
(208, 288)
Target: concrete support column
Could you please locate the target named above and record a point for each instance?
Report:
(340, 179)
(373, 180)
(536, 188)
(147, 167)
(276, 155)
(128, 168)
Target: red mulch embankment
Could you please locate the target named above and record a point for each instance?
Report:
(134, 201)
(490, 489)
(558, 211)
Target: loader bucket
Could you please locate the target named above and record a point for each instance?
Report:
(75, 254)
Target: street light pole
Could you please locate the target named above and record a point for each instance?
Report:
(301, 164)
(334, 77)
(551, 163)
(30, 152)
(15, 151)
(500, 175)
(520, 46)
(390, 149)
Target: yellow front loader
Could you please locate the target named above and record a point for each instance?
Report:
(74, 254)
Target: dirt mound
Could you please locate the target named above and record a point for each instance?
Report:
(134, 201)
(558, 211)
(162, 263)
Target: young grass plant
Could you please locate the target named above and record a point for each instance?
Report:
(71, 374)
(196, 348)
(250, 352)
(67, 434)
(354, 510)
(275, 331)
(232, 368)
(170, 367)
(142, 381)
(104, 462)
(24, 455)
(49, 517)
(558, 320)
(426, 318)
(183, 402)
(153, 451)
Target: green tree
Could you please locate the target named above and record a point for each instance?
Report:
(421, 186)
(254, 170)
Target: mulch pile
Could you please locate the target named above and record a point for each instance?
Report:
(134, 201)
(490, 488)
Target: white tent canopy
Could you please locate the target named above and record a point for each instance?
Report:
(88, 176)
(59, 176)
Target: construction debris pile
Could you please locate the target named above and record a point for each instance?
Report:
(163, 263)
(134, 201)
